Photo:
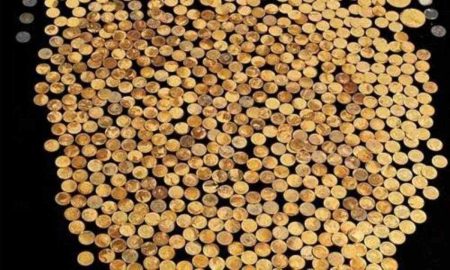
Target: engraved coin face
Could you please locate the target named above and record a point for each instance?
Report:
(23, 37)
(29, 3)
(26, 18)
(426, 2)
(431, 13)
(439, 31)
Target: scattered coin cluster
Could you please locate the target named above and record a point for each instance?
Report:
(26, 18)
(239, 134)
(432, 14)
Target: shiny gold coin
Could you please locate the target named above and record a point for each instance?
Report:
(85, 258)
(51, 145)
(399, 3)
(412, 18)
(439, 161)
(435, 144)
(431, 193)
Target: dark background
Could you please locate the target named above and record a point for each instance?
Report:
(34, 233)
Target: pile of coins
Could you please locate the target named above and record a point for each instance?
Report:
(239, 134)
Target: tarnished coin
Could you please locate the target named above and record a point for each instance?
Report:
(439, 31)
(26, 18)
(431, 13)
(425, 2)
(29, 3)
(23, 37)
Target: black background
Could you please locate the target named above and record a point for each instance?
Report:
(34, 233)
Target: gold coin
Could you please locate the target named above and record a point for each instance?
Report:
(52, 145)
(431, 193)
(435, 144)
(412, 18)
(85, 258)
(399, 3)
(439, 161)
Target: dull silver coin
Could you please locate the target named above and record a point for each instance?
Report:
(425, 2)
(26, 18)
(23, 37)
(431, 13)
(438, 31)
(29, 3)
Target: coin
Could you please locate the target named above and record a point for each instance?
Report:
(26, 18)
(431, 13)
(86, 258)
(412, 18)
(399, 3)
(51, 145)
(29, 3)
(434, 144)
(431, 193)
(439, 31)
(426, 2)
(439, 161)
(23, 37)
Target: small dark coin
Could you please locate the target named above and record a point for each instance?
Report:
(426, 2)
(439, 31)
(26, 18)
(29, 3)
(431, 13)
(23, 37)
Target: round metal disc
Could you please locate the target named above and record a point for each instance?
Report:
(431, 13)
(29, 3)
(439, 31)
(23, 37)
(26, 18)
(425, 2)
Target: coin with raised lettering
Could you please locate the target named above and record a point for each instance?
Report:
(426, 2)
